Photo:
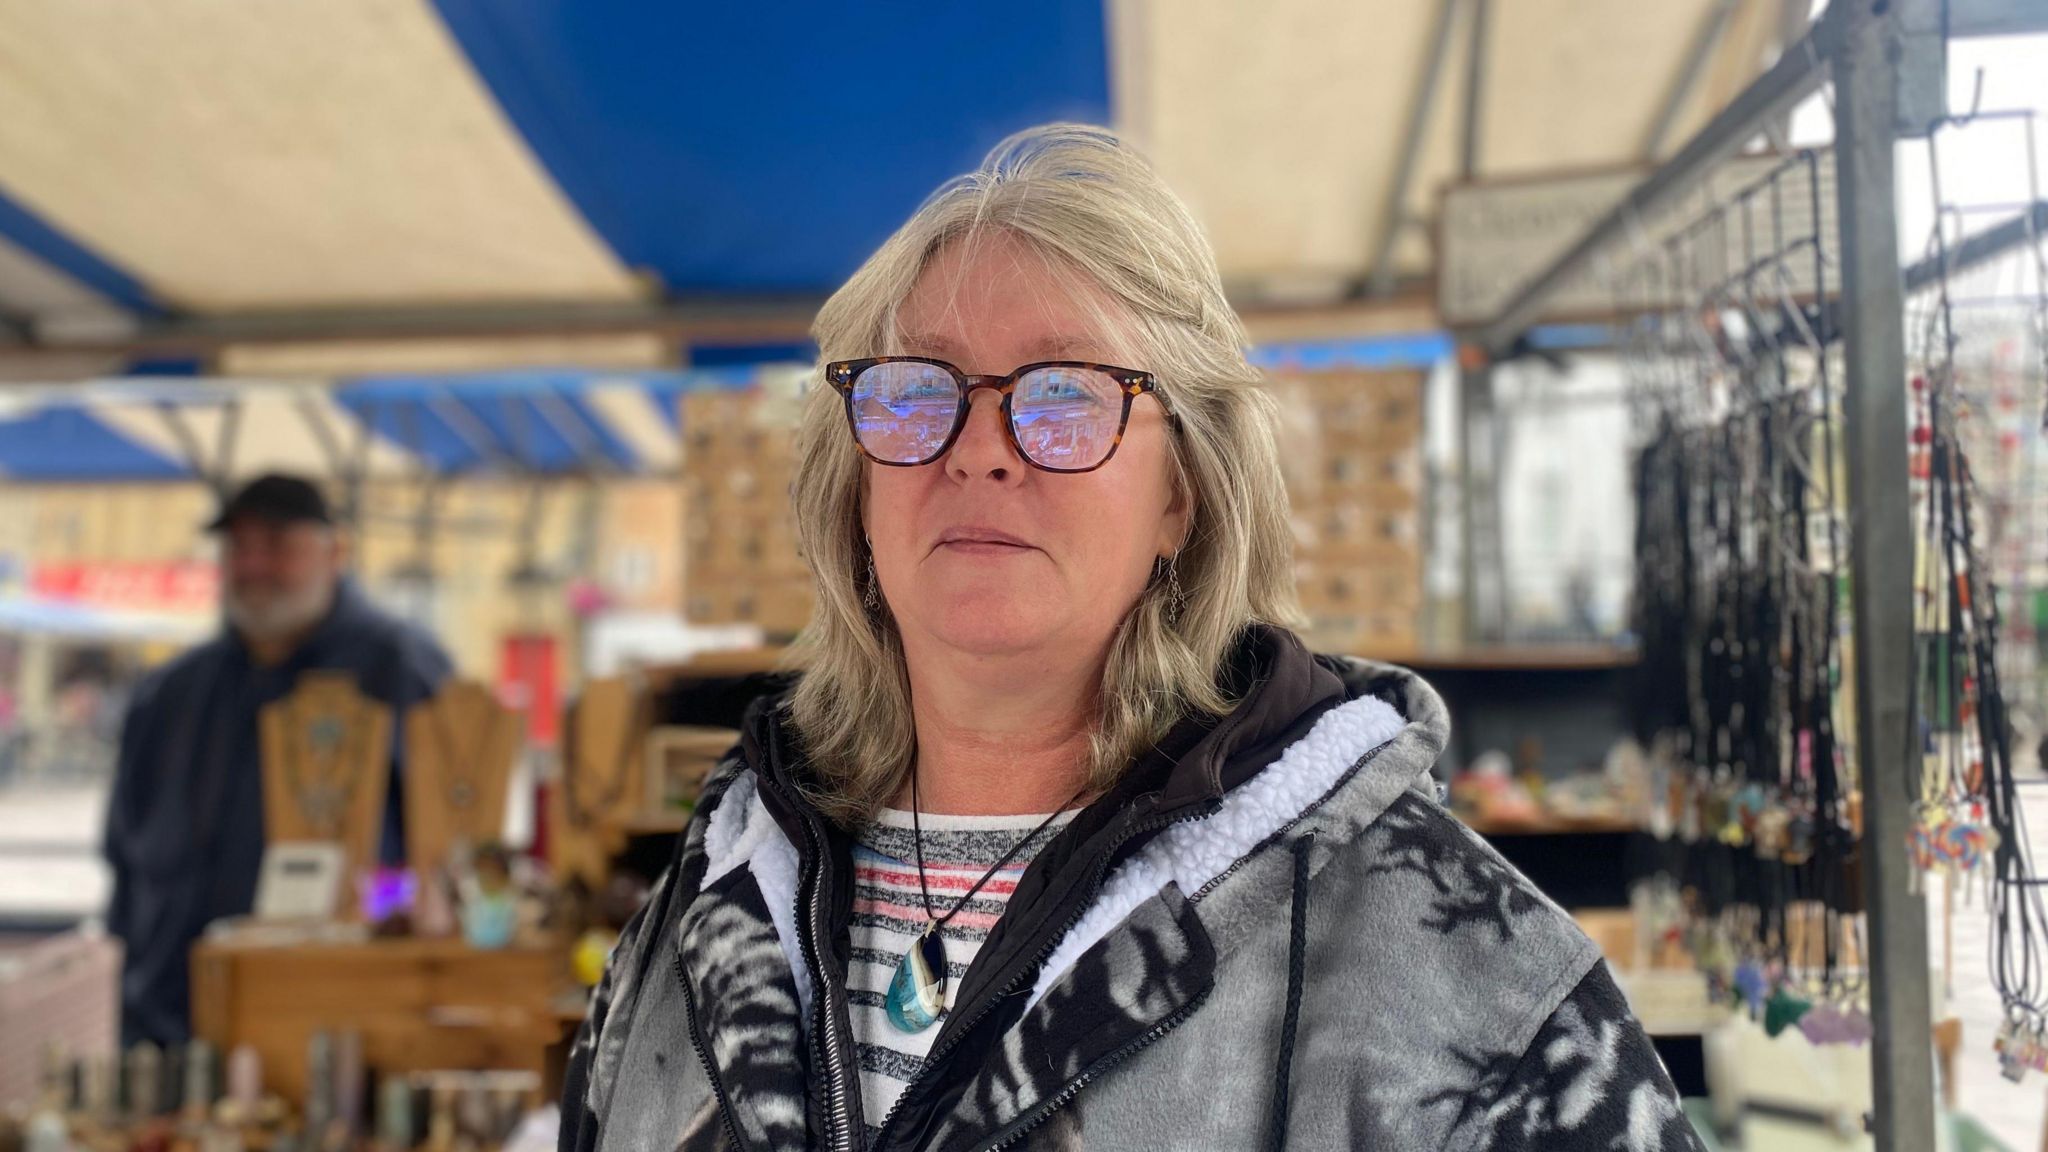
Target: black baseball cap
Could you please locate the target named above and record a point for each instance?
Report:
(277, 498)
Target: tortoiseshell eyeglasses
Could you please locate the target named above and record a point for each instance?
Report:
(1062, 415)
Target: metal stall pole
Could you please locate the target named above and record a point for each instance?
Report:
(1479, 558)
(1395, 217)
(1881, 569)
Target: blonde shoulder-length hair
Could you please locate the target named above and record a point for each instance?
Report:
(1095, 209)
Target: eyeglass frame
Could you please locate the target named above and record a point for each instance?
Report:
(1131, 383)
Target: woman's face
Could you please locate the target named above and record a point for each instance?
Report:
(978, 551)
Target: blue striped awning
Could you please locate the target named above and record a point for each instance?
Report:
(547, 423)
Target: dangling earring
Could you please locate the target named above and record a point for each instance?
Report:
(872, 597)
(1176, 596)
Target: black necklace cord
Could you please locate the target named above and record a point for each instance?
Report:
(917, 838)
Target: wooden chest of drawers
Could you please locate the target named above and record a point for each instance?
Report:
(418, 1004)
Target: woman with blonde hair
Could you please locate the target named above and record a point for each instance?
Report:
(1061, 840)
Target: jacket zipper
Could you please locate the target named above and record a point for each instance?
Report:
(1095, 881)
(732, 1128)
(1024, 1125)
(838, 1111)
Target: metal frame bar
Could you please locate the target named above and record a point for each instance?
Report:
(229, 436)
(1980, 248)
(426, 530)
(526, 566)
(1797, 74)
(1420, 108)
(1867, 90)
(583, 551)
(468, 428)
(1475, 92)
(355, 488)
(519, 431)
(348, 468)
(1793, 17)
(582, 439)
(1483, 587)
(1964, 19)
(764, 318)
(323, 434)
(188, 440)
(1705, 41)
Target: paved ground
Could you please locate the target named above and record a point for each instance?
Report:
(49, 854)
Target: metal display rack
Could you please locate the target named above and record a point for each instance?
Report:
(1886, 60)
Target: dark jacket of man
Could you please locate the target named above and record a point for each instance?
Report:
(185, 821)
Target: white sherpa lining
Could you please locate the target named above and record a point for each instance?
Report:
(742, 832)
(1190, 855)
(1193, 854)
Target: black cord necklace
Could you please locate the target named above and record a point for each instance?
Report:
(917, 995)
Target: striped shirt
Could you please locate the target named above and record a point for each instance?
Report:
(889, 913)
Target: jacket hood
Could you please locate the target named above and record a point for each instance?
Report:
(1281, 690)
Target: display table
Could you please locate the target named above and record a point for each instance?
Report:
(419, 1005)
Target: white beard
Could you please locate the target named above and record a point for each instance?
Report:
(282, 616)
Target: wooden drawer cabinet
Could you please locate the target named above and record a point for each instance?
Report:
(418, 1004)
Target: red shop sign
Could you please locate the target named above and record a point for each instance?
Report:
(190, 586)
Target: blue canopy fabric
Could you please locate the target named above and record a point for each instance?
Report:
(795, 159)
(546, 423)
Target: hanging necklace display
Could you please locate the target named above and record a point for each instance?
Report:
(1967, 820)
(1739, 612)
(326, 766)
(917, 995)
(461, 747)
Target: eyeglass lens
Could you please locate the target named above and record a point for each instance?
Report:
(1065, 418)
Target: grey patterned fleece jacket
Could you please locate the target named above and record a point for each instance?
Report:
(1268, 935)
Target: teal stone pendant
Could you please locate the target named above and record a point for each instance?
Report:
(918, 993)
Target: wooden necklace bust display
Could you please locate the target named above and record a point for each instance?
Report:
(600, 788)
(326, 767)
(460, 749)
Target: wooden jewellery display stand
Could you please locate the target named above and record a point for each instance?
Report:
(602, 786)
(460, 749)
(326, 768)
(417, 1004)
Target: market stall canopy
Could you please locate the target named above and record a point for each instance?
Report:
(218, 169)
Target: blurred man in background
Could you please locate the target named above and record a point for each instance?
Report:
(185, 822)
